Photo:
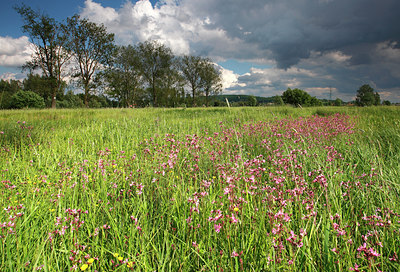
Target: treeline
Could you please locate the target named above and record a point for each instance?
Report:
(85, 53)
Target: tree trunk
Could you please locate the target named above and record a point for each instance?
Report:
(193, 104)
(86, 96)
(53, 101)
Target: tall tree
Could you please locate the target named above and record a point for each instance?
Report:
(123, 78)
(156, 63)
(211, 81)
(48, 38)
(92, 47)
(191, 67)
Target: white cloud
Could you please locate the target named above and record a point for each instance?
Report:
(229, 78)
(170, 23)
(13, 76)
(14, 52)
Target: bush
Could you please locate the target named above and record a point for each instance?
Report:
(70, 100)
(26, 99)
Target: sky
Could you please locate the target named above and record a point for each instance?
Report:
(329, 48)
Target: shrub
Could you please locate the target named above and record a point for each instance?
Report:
(70, 101)
(26, 99)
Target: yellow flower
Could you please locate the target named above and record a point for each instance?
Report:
(236, 209)
(116, 255)
(84, 267)
(90, 261)
(129, 264)
(120, 258)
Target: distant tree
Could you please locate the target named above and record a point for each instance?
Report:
(377, 99)
(26, 99)
(338, 102)
(386, 103)
(298, 97)
(278, 101)
(252, 101)
(92, 47)
(366, 96)
(156, 63)
(48, 38)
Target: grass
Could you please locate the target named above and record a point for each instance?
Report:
(203, 189)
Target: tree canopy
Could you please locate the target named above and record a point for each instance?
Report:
(91, 46)
(367, 97)
(299, 97)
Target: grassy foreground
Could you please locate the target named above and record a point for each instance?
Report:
(241, 189)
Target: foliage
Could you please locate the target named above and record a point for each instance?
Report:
(367, 97)
(70, 100)
(242, 99)
(123, 78)
(278, 101)
(7, 90)
(43, 86)
(252, 102)
(211, 80)
(338, 102)
(92, 46)
(48, 38)
(26, 99)
(298, 97)
(190, 67)
(386, 103)
(156, 64)
(201, 76)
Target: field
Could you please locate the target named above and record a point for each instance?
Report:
(216, 189)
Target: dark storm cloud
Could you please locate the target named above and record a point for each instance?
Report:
(291, 29)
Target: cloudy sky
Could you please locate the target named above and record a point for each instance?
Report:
(263, 46)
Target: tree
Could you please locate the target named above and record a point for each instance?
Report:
(92, 46)
(191, 67)
(338, 102)
(211, 81)
(172, 92)
(156, 63)
(366, 96)
(377, 99)
(252, 101)
(278, 100)
(298, 97)
(123, 78)
(386, 103)
(48, 38)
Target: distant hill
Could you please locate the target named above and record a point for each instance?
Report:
(234, 98)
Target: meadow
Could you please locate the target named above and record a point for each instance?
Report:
(200, 189)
